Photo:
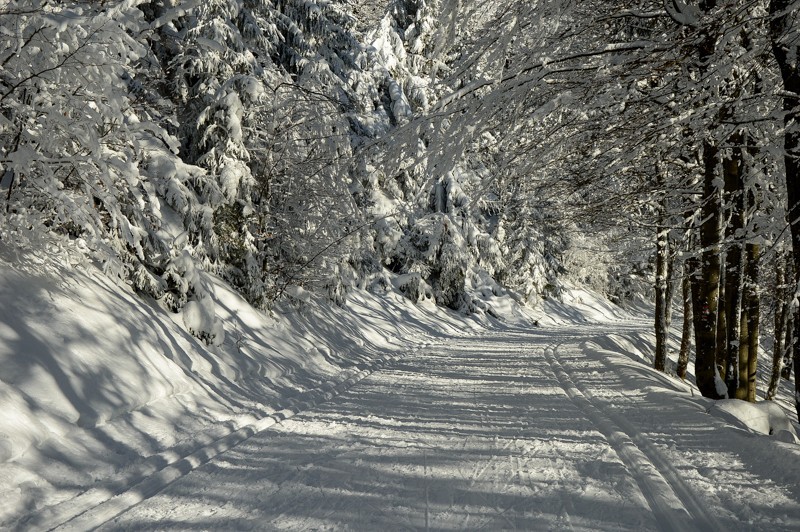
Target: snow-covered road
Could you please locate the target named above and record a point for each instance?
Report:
(547, 429)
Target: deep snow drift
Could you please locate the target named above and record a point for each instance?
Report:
(109, 408)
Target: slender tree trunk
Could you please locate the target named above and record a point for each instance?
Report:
(689, 266)
(796, 359)
(780, 327)
(734, 333)
(790, 303)
(786, 49)
(661, 283)
(670, 284)
(742, 358)
(788, 345)
(721, 355)
(706, 296)
(753, 305)
(734, 320)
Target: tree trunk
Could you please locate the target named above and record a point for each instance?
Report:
(735, 332)
(662, 252)
(742, 357)
(670, 283)
(788, 342)
(780, 327)
(789, 305)
(796, 359)
(734, 320)
(752, 304)
(786, 50)
(706, 287)
(788, 345)
(689, 266)
(721, 356)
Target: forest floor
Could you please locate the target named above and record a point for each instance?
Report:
(383, 415)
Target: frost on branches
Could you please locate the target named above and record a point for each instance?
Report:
(86, 151)
(271, 143)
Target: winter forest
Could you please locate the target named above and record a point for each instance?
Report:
(466, 155)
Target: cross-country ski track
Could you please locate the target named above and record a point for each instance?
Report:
(552, 428)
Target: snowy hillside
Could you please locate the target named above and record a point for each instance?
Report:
(100, 383)
(107, 400)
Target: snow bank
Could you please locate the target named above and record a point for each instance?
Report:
(630, 347)
(578, 305)
(764, 417)
(97, 378)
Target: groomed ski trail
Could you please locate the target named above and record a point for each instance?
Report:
(97, 505)
(673, 504)
(513, 430)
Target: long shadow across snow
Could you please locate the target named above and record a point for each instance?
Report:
(478, 435)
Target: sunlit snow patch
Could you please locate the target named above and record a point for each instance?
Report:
(764, 417)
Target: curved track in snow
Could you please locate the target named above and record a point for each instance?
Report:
(672, 502)
(536, 430)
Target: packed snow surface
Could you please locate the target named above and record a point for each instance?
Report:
(382, 415)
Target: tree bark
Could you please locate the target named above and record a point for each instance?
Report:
(689, 266)
(706, 290)
(734, 320)
(752, 304)
(780, 327)
(788, 345)
(786, 50)
(662, 265)
(742, 357)
(670, 283)
(721, 355)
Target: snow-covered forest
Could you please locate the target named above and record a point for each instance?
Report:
(212, 211)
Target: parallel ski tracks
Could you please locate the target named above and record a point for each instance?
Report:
(98, 505)
(673, 503)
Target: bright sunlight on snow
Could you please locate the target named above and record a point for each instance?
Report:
(399, 265)
(383, 415)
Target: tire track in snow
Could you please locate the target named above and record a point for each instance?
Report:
(99, 505)
(670, 499)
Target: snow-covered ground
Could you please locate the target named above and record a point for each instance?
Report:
(533, 430)
(379, 415)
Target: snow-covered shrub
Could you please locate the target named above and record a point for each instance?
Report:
(84, 151)
(189, 290)
(436, 251)
(414, 287)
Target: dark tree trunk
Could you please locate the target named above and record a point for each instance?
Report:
(788, 345)
(786, 50)
(721, 355)
(734, 320)
(781, 317)
(661, 283)
(706, 287)
(743, 359)
(670, 283)
(796, 359)
(689, 266)
(752, 304)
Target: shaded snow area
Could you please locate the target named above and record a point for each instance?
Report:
(379, 415)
